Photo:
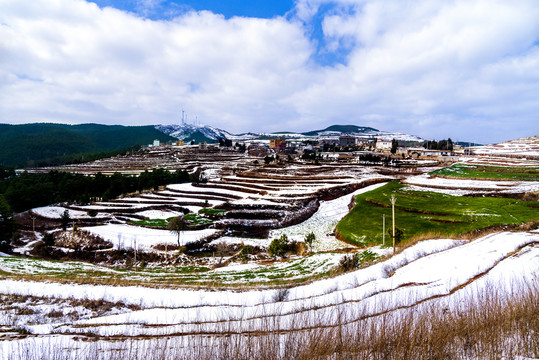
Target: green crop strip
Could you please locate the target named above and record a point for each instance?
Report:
(162, 223)
(419, 213)
(293, 271)
(211, 211)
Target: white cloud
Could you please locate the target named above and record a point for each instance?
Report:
(464, 69)
(433, 67)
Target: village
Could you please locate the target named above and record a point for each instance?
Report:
(343, 148)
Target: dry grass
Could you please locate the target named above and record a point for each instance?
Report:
(490, 326)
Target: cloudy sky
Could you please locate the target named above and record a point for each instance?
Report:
(466, 69)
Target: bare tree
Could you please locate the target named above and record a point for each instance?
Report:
(221, 251)
(309, 240)
(176, 226)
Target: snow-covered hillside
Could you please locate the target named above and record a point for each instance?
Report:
(444, 272)
(187, 131)
(526, 147)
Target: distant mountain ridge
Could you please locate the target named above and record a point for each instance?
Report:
(198, 133)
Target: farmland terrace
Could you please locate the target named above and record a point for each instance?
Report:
(237, 202)
(240, 202)
(239, 206)
(126, 283)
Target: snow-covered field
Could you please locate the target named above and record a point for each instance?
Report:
(434, 271)
(124, 236)
(465, 186)
(56, 212)
(158, 214)
(201, 190)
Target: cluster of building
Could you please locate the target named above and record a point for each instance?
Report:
(348, 147)
(343, 148)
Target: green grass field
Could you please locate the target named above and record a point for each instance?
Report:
(419, 213)
(489, 172)
(195, 219)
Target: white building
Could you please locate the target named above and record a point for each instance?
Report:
(383, 145)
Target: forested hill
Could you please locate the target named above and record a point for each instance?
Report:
(38, 144)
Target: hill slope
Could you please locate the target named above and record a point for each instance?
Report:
(198, 133)
(24, 145)
(344, 129)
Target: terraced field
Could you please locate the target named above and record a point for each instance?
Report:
(244, 204)
(299, 270)
(128, 307)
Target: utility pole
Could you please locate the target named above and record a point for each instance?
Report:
(166, 256)
(393, 199)
(384, 229)
(135, 255)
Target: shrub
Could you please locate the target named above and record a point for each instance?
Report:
(5, 246)
(245, 251)
(46, 252)
(281, 295)
(348, 263)
(48, 239)
(279, 247)
(92, 213)
(366, 256)
(269, 159)
(297, 247)
(351, 262)
(399, 234)
(309, 239)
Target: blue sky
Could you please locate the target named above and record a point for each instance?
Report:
(465, 69)
(159, 9)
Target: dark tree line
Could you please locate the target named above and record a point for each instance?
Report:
(224, 142)
(6, 225)
(27, 190)
(438, 145)
(373, 158)
(31, 145)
